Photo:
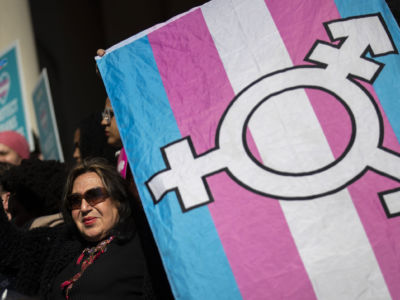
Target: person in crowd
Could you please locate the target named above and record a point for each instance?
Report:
(37, 150)
(76, 153)
(111, 132)
(110, 125)
(35, 190)
(108, 120)
(13, 147)
(4, 194)
(161, 287)
(90, 141)
(95, 254)
(5, 282)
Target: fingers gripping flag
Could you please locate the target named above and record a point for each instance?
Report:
(263, 138)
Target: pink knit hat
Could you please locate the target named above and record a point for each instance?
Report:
(16, 142)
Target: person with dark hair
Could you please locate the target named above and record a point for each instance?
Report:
(4, 194)
(95, 254)
(5, 281)
(116, 219)
(35, 191)
(90, 141)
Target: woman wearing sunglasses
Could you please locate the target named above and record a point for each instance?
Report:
(96, 254)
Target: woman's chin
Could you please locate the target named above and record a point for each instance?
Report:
(92, 235)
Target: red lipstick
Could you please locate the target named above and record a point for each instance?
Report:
(89, 221)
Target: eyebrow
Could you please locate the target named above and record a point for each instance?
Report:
(96, 187)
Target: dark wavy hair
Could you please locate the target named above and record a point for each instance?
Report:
(116, 187)
(4, 167)
(36, 185)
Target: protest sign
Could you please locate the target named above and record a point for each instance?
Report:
(46, 121)
(13, 103)
(263, 138)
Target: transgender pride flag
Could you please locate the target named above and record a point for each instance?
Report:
(263, 138)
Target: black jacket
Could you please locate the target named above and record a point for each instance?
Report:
(34, 258)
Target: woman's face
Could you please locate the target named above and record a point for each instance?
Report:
(94, 222)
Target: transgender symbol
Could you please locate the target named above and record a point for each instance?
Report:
(186, 172)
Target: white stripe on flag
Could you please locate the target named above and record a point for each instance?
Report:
(327, 231)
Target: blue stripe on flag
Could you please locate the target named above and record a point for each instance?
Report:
(386, 87)
(191, 249)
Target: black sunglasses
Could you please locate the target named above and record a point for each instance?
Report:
(92, 197)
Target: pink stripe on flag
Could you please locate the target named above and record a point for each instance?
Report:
(382, 233)
(306, 17)
(252, 229)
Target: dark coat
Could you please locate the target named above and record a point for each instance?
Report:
(34, 258)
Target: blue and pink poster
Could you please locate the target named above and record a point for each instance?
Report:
(13, 105)
(263, 138)
(50, 145)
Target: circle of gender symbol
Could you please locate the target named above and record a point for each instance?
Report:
(249, 172)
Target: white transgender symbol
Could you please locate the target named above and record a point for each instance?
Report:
(334, 71)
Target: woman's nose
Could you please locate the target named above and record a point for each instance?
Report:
(85, 206)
